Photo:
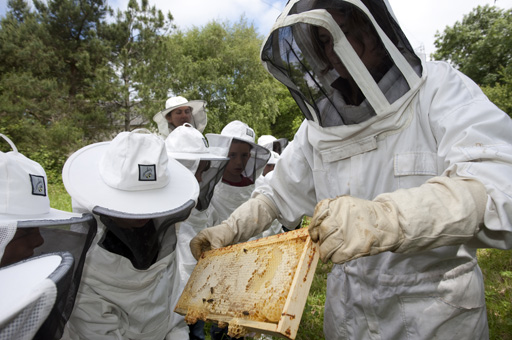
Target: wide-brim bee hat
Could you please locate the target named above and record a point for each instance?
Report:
(198, 120)
(24, 191)
(129, 177)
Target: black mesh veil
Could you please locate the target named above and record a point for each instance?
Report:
(343, 62)
(209, 180)
(220, 145)
(72, 236)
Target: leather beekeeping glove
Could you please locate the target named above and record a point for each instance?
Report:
(249, 219)
(443, 211)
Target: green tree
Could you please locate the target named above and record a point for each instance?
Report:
(132, 82)
(47, 62)
(480, 46)
(499, 94)
(220, 64)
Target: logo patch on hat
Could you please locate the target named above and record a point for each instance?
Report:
(249, 132)
(147, 172)
(38, 185)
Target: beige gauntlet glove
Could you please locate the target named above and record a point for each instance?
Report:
(443, 211)
(249, 219)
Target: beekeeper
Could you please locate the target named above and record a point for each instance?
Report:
(272, 143)
(31, 229)
(178, 111)
(137, 195)
(189, 147)
(276, 226)
(403, 165)
(247, 162)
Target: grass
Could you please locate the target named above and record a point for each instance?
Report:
(59, 198)
(496, 266)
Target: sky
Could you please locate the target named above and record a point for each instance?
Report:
(420, 19)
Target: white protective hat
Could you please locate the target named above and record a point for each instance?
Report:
(189, 147)
(199, 118)
(129, 177)
(24, 191)
(237, 130)
(186, 142)
(266, 141)
(24, 203)
(272, 143)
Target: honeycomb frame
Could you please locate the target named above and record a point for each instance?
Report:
(253, 287)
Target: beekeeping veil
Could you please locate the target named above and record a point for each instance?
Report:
(29, 228)
(238, 131)
(132, 178)
(189, 147)
(29, 290)
(272, 143)
(347, 88)
(197, 120)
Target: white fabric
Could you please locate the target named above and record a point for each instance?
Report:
(276, 227)
(24, 190)
(274, 157)
(119, 165)
(239, 130)
(112, 175)
(449, 128)
(117, 301)
(227, 198)
(187, 143)
(266, 141)
(27, 296)
(198, 119)
(7, 232)
(197, 221)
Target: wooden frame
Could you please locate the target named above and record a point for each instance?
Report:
(259, 286)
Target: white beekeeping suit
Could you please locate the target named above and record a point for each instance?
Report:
(226, 197)
(404, 165)
(137, 195)
(41, 256)
(188, 146)
(276, 226)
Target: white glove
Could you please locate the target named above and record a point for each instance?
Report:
(249, 219)
(443, 211)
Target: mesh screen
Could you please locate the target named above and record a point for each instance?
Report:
(43, 237)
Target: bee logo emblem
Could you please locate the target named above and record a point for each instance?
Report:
(147, 172)
(38, 185)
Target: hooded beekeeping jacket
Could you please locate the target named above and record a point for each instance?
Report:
(118, 301)
(415, 121)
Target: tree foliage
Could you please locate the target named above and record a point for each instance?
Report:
(480, 46)
(130, 82)
(73, 72)
(47, 58)
(220, 64)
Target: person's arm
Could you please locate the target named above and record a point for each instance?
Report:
(443, 211)
(250, 219)
(470, 203)
(287, 196)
